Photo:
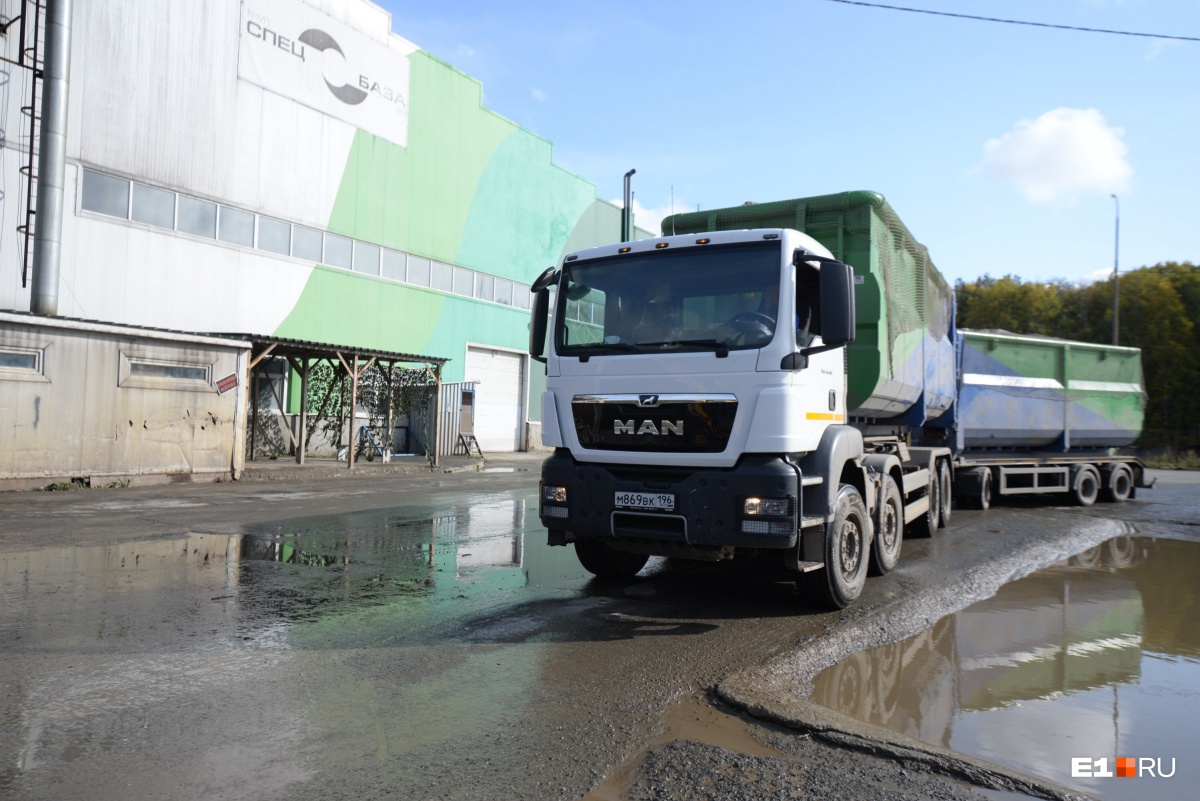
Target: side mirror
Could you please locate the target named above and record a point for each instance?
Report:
(837, 303)
(837, 306)
(537, 325)
(549, 276)
(540, 313)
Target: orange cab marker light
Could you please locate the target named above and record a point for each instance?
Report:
(703, 241)
(662, 245)
(624, 249)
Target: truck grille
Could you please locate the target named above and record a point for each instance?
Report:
(654, 423)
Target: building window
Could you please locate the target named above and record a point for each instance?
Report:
(153, 206)
(198, 217)
(105, 194)
(522, 296)
(129, 200)
(306, 243)
(22, 364)
(393, 265)
(337, 251)
(504, 290)
(236, 227)
(419, 271)
(274, 236)
(464, 282)
(485, 286)
(366, 258)
(185, 372)
(148, 373)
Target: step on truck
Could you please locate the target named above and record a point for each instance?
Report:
(788, 378)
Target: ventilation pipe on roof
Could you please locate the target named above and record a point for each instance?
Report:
(52, 160)
(627, 212)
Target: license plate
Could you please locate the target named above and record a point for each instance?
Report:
(658, 501)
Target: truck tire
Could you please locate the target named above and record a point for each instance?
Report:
(836, 585)
(945, 493)
(1087, 486)
(889, 530)
(1118, 484)
(605, 562)
(927, 524)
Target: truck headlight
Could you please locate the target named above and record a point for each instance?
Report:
(554, 494)
(767, 506)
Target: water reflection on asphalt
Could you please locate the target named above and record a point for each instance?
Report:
(1097, 657)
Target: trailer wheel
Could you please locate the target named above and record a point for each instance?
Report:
(606, 562)
(889, 532)
(985, 491)
(1087, 486)
(945, 493)
(1118, 486)
(845, 572)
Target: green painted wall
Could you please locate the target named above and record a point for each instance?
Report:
(471, 189)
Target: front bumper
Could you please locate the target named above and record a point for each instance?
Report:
(708, 509)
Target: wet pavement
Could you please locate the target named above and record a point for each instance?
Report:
(1095, 658)
(414, 638)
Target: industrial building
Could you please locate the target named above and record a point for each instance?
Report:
(278, 169)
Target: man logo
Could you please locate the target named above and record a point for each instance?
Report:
(647, 427)
(321, 41)
(647, 401)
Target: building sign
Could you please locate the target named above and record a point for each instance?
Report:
(290, 48)
(227, 383)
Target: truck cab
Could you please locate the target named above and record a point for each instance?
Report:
(696, 401)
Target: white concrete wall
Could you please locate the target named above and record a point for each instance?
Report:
(83, 413)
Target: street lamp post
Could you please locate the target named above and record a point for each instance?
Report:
(1116, 284)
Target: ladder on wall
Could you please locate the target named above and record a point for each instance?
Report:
(30, 33)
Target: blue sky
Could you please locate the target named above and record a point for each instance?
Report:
(999, 145)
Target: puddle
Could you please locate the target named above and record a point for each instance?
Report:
(1060, 674)
(414, 569)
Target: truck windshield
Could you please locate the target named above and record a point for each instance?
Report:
(717, 297)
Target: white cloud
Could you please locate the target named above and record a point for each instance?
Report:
(1158, 46)
(651, 218)
(1060, 155)
(466, 51)
(538, 94)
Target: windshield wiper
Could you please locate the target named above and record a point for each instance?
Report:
(591, 347)
(721, 347)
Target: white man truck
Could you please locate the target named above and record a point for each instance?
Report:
(736, 387)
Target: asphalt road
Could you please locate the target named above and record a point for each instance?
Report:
(413, 637)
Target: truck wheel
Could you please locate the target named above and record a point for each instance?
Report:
(945, 493)
(1087, 486)
(845, 572)
(889, 532)
(606, 562)
(1118, 487)
(927, 524)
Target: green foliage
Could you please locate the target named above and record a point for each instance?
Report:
(385, 392)
(1159, 309)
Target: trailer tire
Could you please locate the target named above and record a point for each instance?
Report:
(1087, 486)
(889, 530)
(945, 493)
(845, 573)
(1118, 484)
(605, 562)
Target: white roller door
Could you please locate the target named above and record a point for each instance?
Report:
(499, 416)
